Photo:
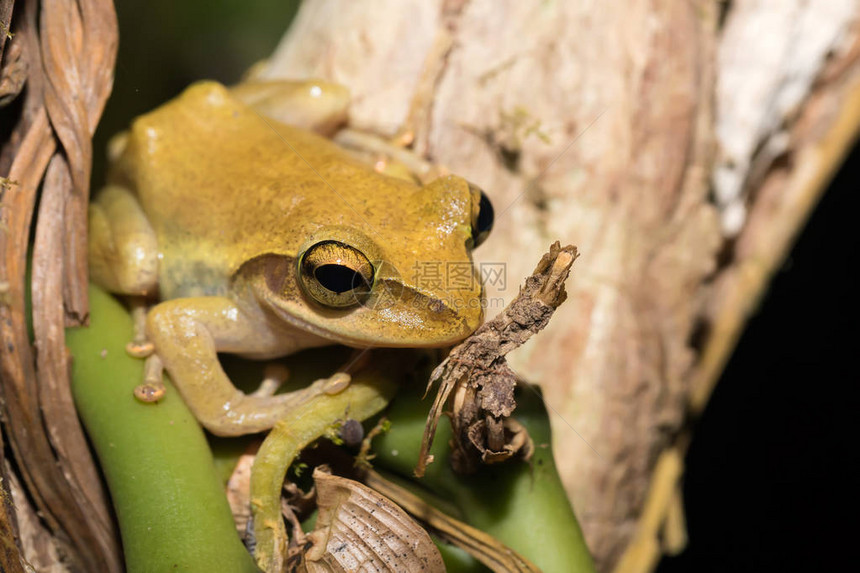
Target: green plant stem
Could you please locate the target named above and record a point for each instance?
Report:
(523, 505)
(171, 508)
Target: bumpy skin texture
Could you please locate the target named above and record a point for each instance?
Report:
(211, 206)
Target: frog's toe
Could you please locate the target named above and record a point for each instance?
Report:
(274, 375)
(139, 349)
(336, 383)
(149, 393)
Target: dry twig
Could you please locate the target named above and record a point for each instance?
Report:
(480, 380)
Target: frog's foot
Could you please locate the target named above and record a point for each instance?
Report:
(152, 389)
(336, 383)
(251, 413)
(139, 347)
(274, 375)
(389, 156)
(189, 333)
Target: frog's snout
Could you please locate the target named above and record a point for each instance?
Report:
(440, 316)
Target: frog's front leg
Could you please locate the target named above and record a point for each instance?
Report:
(123, 255)
(188, 333)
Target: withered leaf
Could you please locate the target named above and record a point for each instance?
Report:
(360, 530)
(480, 545)
(476, 382)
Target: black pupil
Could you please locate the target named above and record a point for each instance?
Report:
(338, 278)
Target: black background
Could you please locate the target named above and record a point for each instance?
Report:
(772, 465)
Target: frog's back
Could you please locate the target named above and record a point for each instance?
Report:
(221, 185)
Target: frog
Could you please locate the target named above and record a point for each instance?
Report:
(249, 231)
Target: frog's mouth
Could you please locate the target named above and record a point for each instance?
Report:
(412, 319)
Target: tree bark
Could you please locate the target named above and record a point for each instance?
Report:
(679, 145)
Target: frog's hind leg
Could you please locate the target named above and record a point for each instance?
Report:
(123, 251)
(274, 376)
(315, 105)
(389, 157)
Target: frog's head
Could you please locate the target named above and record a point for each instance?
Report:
(398, 274)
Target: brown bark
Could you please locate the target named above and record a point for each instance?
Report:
(64, 52)
(596, 125)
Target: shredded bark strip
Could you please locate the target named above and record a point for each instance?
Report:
(476, 382)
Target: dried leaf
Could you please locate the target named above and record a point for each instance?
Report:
(480, 379)
(36, 544)
(79, 42)
(10, 529)
(360, 530)
(239, 490)
(482, 546)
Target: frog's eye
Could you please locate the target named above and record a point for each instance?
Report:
(335, 274)
(482, 219)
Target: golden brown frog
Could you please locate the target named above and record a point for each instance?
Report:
(263, 239)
